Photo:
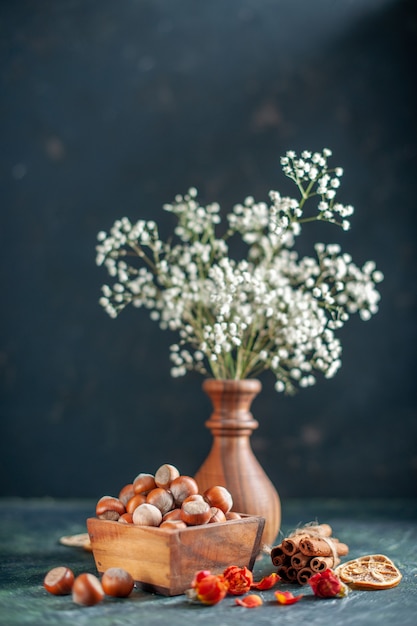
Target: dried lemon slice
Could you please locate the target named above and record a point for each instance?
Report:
(81, 540)
(373, 571)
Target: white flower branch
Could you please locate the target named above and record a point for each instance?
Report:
(268, 311)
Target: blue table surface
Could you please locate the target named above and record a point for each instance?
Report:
(29, 547)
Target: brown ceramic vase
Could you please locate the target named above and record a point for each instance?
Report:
(231, 461)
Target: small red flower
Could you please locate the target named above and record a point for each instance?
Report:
(267, 582)
(199, 576)
(327, 585)
(252, 601)
(239, 579)
(286, 597)
(208, 588)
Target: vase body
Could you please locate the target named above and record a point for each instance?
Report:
(231, 461)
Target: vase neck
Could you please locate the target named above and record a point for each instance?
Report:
(231, 400)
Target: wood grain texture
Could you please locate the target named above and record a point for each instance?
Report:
(231, 461)
(165, 561)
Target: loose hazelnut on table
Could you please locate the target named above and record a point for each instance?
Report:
(59, 581)
(144, 483)
(147, 515)
(117, 582)
(220, 497)
(195, 511)
(109, 507)
(87, 590)
(165, 474)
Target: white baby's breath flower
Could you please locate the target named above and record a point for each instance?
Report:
(269, 310)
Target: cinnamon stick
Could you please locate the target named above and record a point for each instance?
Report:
(299, 560)
(289, 574)
(318, 546)
(303, 575)
(278, 557)
(321, 563)
(307, 550)
(291, 545)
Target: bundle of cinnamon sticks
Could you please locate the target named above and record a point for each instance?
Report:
(306, 551)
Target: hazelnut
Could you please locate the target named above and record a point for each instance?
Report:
(109, 507)
(133, 503)
(87, 590)
(219, 497)
(161, 498)
(182, 487)
(173, 515)
(195, 512)
(144, 483)
(173, 524)
(193, 497)
(165, 475)
(59, 581)
(233, 515)
(147, 515)
(126, 518)
(117, 582)
(217, 515)
(126, 493)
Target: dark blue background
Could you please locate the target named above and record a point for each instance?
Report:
(110, 109)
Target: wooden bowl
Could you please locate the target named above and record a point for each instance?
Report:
(165, 560)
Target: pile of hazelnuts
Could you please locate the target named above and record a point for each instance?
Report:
(165, 499)
(168, 500)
